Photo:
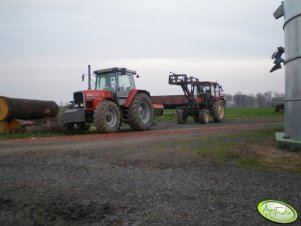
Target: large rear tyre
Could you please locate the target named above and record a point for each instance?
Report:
(141, 112)
(218, 111)
(181, 116)
(70, 128)
(107, 117)
(204, 116)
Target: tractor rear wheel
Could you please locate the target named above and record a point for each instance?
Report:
(70, 128)
(204, 116)
(218, 111)
(181, 116)
(107, 117)
(141, 112)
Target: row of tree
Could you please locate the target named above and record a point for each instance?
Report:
(252, 100)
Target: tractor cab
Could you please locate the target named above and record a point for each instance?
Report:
(119, 81)
(212, 88)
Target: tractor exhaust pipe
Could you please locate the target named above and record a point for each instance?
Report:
(89, 76)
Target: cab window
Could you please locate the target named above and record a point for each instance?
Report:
(124, 85)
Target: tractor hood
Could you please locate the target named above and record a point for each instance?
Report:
(89, 99)
(97, 94)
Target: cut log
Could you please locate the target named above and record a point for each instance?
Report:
(11, 108)
(4, 127)
(33, 126)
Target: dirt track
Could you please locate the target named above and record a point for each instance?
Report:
(135, 179)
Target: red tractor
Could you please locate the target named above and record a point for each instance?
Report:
(204, 99)
(114, 101)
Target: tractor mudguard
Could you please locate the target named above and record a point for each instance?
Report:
(74, 116)
(132, 94)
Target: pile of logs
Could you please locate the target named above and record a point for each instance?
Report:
(31, 116)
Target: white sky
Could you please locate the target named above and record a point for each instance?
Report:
(45, 46)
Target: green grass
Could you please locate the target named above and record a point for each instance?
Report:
(252, 113)
(250, 163)
(232, 113)
(168, 115)
(6, 136)
(222, 147)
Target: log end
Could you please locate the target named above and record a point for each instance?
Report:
(3, 109)
(14, 126)
(4, 127)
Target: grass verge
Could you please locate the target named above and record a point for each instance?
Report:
(253, 113)
(232, 113)
(6, 136)
(253, 149)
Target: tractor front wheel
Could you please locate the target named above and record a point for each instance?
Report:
(181, 116)
(141, 112)
(204, 116)
(107, 117)
(218, 111)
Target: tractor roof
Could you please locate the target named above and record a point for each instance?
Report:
(114, 69)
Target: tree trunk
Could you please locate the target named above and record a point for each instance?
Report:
(11, 108)
(33, 126)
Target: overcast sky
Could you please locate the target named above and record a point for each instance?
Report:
(46, 45)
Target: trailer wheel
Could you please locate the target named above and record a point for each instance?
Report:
(204, 116)
(107, 117)
(218, 111)
(181, 116)
(141, 112)
(70, 128)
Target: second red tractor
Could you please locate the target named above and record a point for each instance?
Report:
(205, 99)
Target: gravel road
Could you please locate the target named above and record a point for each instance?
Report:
(131, 179)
